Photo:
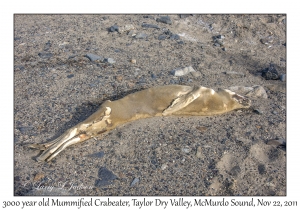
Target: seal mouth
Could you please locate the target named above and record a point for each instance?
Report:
(245, 102)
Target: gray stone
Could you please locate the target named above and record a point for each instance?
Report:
(182, 71)
(254, 91)
(136, 180)
(283, 77)
(109, 60)
(141, 36)
(220, 37)
(164, 19)
(114, 28)
(153, 76)
(70, 76)
(45, 55)
(258, 111)
(106, 177)
(277, 142)
(146, 25)
(162, 37)
(270, 73)
(186, 149)
(174, 37)
(94, 57)
(267, 40)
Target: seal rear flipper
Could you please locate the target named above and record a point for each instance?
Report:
(182, 101)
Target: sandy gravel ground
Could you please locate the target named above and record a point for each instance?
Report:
(56, 86)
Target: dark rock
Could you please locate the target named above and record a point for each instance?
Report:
(180, 42)
(174, 37)
(94, 57)
(106, 177)
(146, 25)
(136, 180)
(153, 76)
(283, 77)
(17, 38)
(70, 76)
(164, 19)
(114, 28)
(258, 111)
(270, 73)
(267, 40)
(217, 45)
(45, 55)
(261, 169)
(162, 37)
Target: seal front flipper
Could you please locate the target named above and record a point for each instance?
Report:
(182, 101)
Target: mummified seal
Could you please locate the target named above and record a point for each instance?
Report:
(152, 102)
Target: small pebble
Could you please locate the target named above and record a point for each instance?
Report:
(220, 37)
(133, 61)
(110, 60)
(70, 76)
(186, 149)
(164, 166)
(136, 180)
(283, 77)
(258, 111)
(94, 57)
(182, 71)
(267, 40)
(114, 28)
(141, 36)
(45, 55)
(162, 37)
(175, 37)
(164, 19)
